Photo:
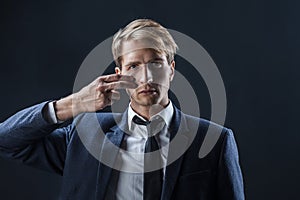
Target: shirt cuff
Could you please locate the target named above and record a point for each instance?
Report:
(50, 114)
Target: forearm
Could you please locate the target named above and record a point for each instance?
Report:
(30, 138)
(25, 127)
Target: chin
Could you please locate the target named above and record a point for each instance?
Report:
(145, 101)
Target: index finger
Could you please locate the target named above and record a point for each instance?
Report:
(116, 77)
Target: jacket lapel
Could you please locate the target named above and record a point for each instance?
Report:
(177, 146)
(110, 148)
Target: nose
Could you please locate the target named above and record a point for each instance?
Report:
(146, 75)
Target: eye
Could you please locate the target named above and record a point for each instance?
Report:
(155, 64)
(133, 66)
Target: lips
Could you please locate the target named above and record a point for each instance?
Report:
(147, 91)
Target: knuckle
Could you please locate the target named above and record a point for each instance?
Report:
(99, 80)
(101, 88)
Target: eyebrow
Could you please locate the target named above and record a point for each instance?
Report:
(132, 63)
(156, 59)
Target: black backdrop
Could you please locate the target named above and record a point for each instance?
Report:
(254, 43)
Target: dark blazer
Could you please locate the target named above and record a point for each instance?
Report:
(74, 152)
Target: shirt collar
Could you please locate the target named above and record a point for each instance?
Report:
(166, 114)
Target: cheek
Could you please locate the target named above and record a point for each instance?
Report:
(161, 77)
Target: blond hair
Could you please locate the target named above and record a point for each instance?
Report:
(156, 36)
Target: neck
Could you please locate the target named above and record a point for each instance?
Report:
(149, 110)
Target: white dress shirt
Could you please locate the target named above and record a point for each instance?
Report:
(131, 185)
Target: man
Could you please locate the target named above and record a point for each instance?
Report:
(138, 156)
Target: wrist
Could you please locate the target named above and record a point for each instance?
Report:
(67, 108)
(76, 104)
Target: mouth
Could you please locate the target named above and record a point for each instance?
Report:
(148, 91)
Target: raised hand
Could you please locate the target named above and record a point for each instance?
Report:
(97, 95)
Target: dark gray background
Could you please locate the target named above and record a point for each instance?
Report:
(254, 43)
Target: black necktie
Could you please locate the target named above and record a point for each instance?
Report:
(152, 179)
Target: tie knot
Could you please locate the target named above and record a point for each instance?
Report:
(139, 121)
(153, 127)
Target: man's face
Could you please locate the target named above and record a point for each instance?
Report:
(151, 71)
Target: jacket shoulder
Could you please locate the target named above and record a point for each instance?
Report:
(208, 134)
(204, 124)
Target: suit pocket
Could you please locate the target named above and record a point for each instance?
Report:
(195, 185)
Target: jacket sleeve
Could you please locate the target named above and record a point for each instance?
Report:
(30, 139)
(230, 180)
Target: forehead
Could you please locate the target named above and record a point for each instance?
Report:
(138, 51)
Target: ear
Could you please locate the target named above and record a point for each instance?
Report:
(172, 65)
(117, 70)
